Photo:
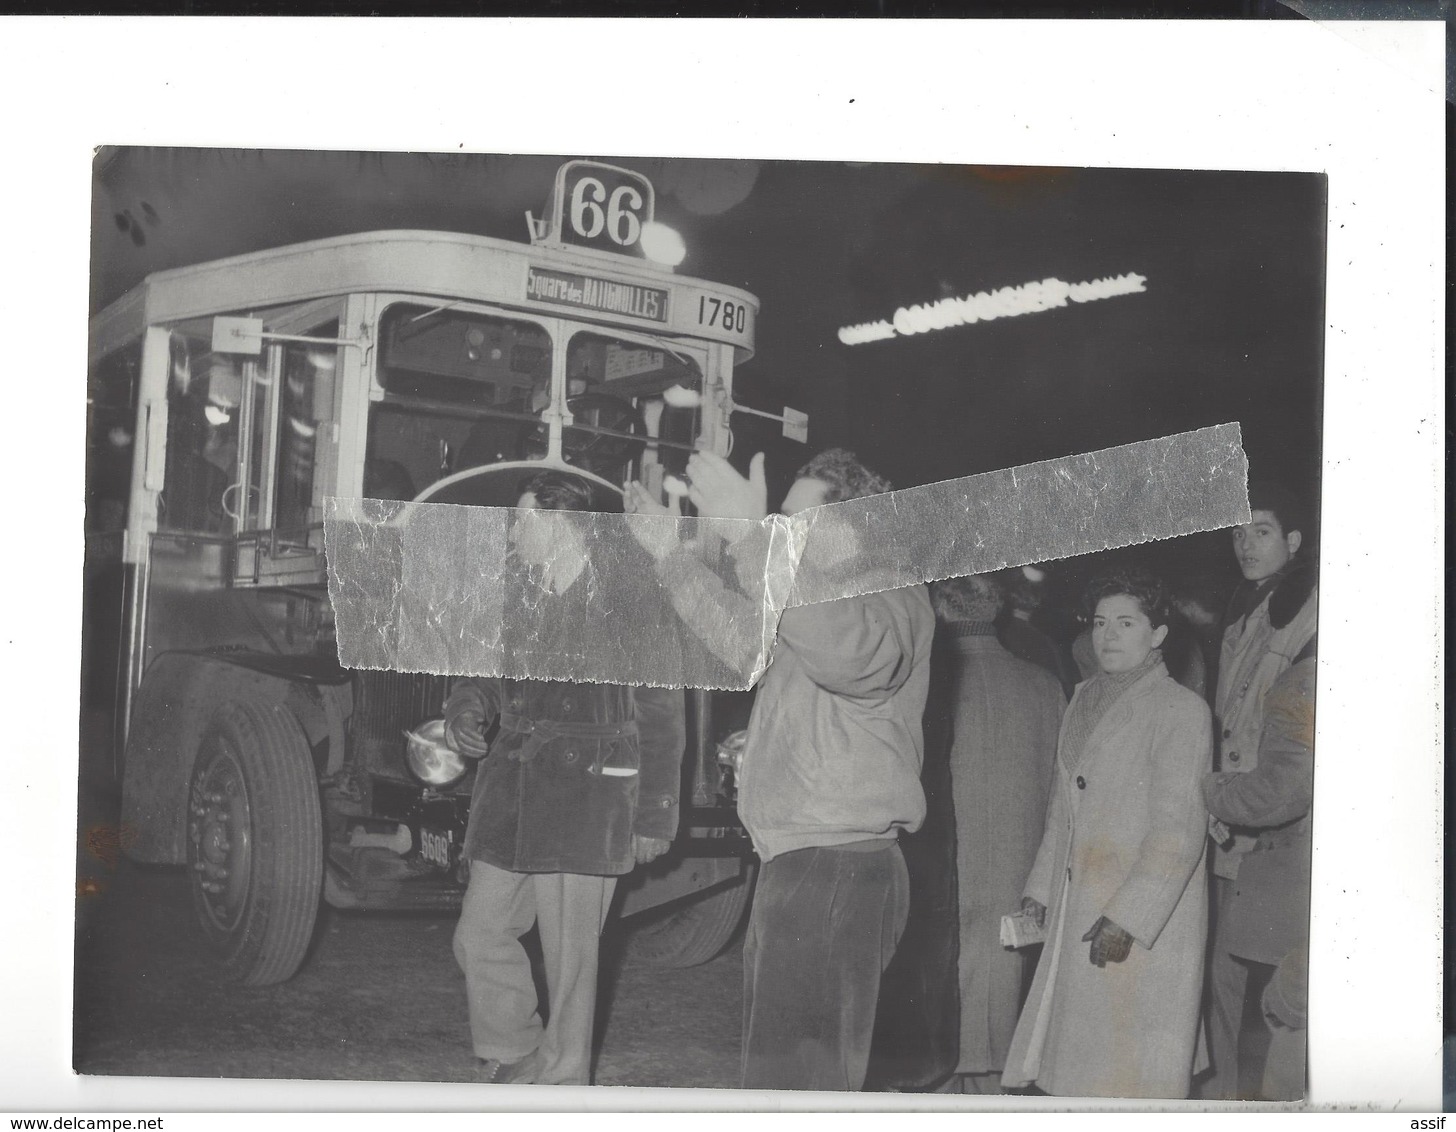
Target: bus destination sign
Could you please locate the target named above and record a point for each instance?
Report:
(606, 295)
(599, 206)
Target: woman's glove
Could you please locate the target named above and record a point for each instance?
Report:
(1110, 943)
(465, 721)
(1035, 909)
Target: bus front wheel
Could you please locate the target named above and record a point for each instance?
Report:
(255, 841)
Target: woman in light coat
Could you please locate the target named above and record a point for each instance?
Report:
(1119, 879)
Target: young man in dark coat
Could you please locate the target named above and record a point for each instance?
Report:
(580, 786)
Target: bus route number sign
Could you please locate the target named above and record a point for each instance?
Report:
(601, 206)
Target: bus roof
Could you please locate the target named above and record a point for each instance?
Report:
(566, 282)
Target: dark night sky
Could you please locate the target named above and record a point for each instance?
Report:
(1230, 327)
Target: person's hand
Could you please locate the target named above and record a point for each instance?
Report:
(637, 500)
(647, 849)
(659, 539)
(1110, 943)
(465, 733)
(731, 748)
(717, 490)
(1217, 830)
(465, 723)
(1035, 909)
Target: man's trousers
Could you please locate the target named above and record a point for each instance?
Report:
(824, 925)
(1228, 982)
(505, 1024)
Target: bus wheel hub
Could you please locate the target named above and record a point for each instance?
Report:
(218, 837)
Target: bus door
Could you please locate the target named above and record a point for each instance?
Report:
(237, 497)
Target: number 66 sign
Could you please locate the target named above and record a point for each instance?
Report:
(599, 206)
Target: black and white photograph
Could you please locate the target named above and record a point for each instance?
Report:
(413, 332)
(448, 715)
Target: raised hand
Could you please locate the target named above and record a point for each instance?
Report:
(716, 488)
(637, 500)
(657, 538)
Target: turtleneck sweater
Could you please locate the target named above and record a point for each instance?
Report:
(1097, 695)
(957, 629)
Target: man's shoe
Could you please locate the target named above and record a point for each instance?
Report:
(492, 1071)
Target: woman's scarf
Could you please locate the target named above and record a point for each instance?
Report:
(1092, 703)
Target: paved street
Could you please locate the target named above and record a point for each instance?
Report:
(379, 998)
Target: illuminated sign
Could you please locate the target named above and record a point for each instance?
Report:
(983, 306)
(573, 290)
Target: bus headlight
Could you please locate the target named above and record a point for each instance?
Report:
(430, 758)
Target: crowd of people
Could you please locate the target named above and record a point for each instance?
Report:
(1138, 800)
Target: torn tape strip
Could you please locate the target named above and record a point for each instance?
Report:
(549, 595)
(1142, 492)
(688, 602)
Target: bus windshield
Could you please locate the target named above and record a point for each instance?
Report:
(465, 389)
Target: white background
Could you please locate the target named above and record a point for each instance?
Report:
(1362, 103)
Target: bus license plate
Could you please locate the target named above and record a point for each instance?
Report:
(435, 847)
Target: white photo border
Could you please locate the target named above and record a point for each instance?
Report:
(1365, 106)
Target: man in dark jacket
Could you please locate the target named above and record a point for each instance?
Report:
(580, 786)
(1003, 734)
(1023, 586)
(830, 775)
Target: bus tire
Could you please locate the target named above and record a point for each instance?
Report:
(694, 930)
(255, 841)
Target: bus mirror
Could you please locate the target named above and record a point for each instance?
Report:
(795, 422)
(237, 336)
(796, 425)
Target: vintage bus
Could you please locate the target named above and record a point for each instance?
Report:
(407, 365)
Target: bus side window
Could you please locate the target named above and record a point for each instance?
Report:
(307, 405)
(110, 437)
(202, 437)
